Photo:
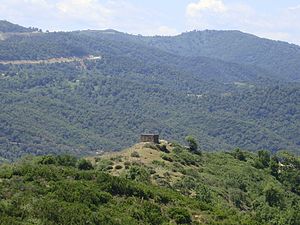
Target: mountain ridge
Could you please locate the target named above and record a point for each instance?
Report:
(137, 87)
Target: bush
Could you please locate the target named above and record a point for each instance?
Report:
(66, 160)
(127, 164)
(180, 215)
(273, 196)
(264, 157)
(103, 164)
(138, 173)
(84, 164)
(178, 150)
(166, 157)
(135, 154)
(187, 158)
(163, 148)
(238, 154)
(203, 194)
(48, 160)
(152, 171)
(151, 213)
(109, 167)
(118, 167)
(193, 145)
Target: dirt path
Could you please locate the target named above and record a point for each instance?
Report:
(50, 61)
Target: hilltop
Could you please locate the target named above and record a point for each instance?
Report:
(8, 27)
(153, 184)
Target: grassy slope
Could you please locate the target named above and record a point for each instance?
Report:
(218, 179)
(148, 186)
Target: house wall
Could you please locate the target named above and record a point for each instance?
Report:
(150, 138)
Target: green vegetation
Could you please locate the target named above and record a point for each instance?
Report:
(240, 94)
(6, 27)
(193, 145)
(279, 58)
(211, 188)
(140, 85)
(55, 108)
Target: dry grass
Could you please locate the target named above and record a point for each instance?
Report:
(147, 154)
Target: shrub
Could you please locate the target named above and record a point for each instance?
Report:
(66, 160)
(97, 159)
(163, 148)
(138, 173)
(238, 154)
(193, 145)
(178, 150)
(84, 164)
(203, 194)
(274, 166)
(273, 196)
(127, 164)
(118, 167)
(180, 215)
(135, 154)
(264, 157)
(187, 158)
(48, 159)
(109, 167)
(152, 171)
(103, 164)
(166, 157)
(151, 213)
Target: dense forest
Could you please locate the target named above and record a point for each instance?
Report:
(153, 184)
(56, 108)
(140, 85)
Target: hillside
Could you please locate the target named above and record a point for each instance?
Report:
(280, 59)
(57, 108)
(83, 106)
(152, 184)
(7, 27)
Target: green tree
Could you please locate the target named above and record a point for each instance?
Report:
(263, 159)
(84, 164)
(193, 145)
(273, 196)
(274, 166)
(238, 154)
(180, 215)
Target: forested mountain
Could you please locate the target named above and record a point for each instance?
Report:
(7, 27)
(281, 59)
(139, 85)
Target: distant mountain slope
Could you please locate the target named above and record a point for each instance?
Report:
(7, 27)
(120, 46)
(63, 108)
(281, 59)
(137, 86)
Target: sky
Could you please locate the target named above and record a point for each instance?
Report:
(274, 19)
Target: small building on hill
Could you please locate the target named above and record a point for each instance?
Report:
(150, 138)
